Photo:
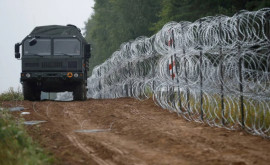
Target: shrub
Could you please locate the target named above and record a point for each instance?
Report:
(16, 147)
(11, 95)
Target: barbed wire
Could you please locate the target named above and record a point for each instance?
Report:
(215, 70)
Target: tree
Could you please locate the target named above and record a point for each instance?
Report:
(191, 10)
(118, 21)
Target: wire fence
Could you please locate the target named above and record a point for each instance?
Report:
(215, 70)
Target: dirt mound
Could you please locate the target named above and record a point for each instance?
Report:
(127, 131)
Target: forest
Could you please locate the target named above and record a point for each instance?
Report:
(118, 21)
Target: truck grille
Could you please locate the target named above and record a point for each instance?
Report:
(31, 65)
(72, 64)
(52, 65)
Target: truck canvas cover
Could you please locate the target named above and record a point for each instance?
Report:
(57, 30)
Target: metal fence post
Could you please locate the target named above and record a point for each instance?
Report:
(186, 76)
(240, 77)
(171, 69)
(99, 85)
(138, 64)
(221, 76)
(153, 73)
(126, 89)
(178, 89)
(201, 77)
(176, 72)
(130, 84)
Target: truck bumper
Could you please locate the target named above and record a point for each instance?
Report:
(42, 76)
(53, 81)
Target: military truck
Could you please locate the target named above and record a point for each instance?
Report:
(54, 59)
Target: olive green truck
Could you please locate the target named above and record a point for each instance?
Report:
(54, 59)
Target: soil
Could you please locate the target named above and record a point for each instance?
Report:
(126, 131)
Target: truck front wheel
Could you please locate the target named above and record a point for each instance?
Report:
(79, 93)
(30, 92)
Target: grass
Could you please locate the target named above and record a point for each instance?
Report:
(256, 112)
(16, 147)
(11, 95)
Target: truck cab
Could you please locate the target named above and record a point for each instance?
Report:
(54, 59)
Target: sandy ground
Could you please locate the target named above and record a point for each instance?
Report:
(130, 132)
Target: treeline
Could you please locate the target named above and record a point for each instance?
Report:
(118, 21)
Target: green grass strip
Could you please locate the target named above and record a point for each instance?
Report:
(16, 147)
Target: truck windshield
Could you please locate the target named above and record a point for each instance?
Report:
(42, 47)
(66, 47)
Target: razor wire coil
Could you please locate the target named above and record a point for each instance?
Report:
(214, 70)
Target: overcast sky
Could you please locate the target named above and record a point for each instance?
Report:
(19, 17)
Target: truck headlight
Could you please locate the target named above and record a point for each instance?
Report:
(28, 75)
(76, 75)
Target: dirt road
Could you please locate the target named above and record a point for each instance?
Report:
(128, 132)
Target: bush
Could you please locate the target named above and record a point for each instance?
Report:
(16, 147)
(11, 95)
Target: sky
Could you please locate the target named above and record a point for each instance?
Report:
(19, 17)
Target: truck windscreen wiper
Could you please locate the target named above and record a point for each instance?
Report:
(35, 55)
(65, 54)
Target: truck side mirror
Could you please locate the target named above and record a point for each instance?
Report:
(17, 50)
(87, 50)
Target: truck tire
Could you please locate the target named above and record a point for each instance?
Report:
(37, 94)
(30, 92)
(79, 93)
